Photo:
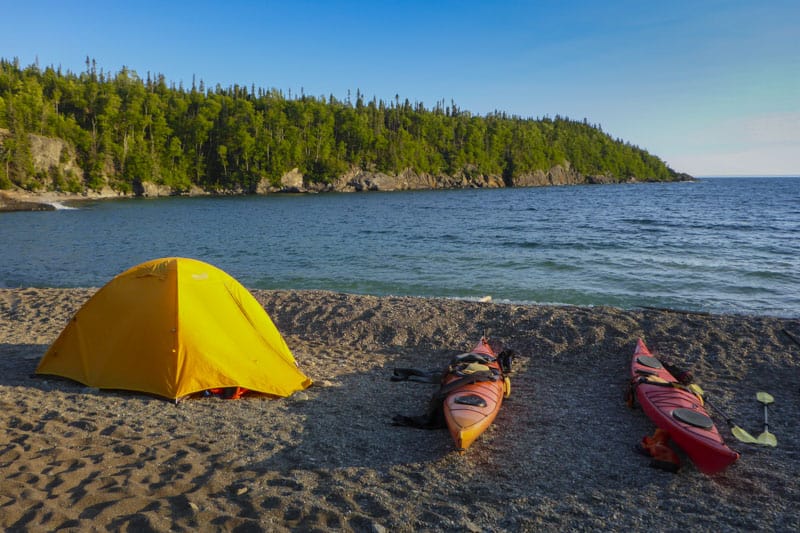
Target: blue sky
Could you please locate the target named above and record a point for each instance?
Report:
(710, 86)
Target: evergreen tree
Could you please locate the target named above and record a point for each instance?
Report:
(126, 131)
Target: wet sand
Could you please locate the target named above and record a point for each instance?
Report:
(559, 456)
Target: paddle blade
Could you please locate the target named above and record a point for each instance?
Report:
(695, 388)
(743, 436)
(697, 391)
(765, 398)
(767, 439)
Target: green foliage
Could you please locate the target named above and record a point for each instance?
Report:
(127, 130)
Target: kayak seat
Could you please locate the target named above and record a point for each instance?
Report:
(693, 418)
(649, 362)
(471, 399)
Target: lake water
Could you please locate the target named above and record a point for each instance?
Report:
(723, 245)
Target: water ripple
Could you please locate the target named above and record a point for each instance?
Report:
(720, 245)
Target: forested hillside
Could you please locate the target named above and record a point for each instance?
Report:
(124, 130)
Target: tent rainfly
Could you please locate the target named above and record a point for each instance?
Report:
(173, 327)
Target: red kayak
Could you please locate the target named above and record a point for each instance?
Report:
(471, 408)
(678, 412)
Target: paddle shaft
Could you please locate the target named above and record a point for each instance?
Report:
(766, 437)
(728, 419)
(766, 417)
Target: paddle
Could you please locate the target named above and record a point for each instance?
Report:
(740, 434)
(766, 438)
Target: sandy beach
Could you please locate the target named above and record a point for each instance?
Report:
(559, 457)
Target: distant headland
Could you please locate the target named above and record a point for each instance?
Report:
(98, 135)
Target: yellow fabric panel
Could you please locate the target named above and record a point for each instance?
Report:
(172, 327)
(116, 339)
(227, 339)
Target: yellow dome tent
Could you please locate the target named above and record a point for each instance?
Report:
(173, 327)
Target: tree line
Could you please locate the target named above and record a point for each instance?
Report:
(127, 130)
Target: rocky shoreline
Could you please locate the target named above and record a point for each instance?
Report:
(18, 200)
(294, 182)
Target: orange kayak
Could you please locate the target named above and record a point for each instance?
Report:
(471, 408)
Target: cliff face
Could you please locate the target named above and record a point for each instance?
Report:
(50, 153)
(358, 180)
(55, 157)
(56, 167)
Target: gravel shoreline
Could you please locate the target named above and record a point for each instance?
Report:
(559, 457)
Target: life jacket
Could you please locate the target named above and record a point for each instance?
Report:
(657, 448)
(226, 393)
